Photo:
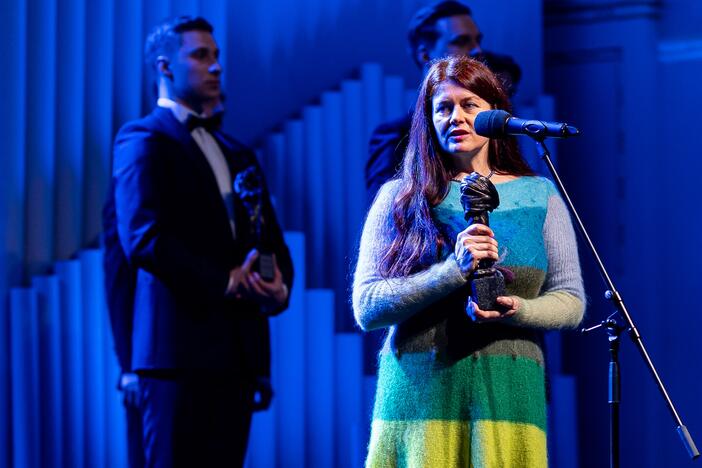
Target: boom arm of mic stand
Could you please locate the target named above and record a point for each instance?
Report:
(613, 295)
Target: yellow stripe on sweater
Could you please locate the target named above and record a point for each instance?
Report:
(447, 444)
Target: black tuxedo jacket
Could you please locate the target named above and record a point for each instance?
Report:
(167, 227)
(386, 149)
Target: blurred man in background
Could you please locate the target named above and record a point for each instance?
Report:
(199, 336)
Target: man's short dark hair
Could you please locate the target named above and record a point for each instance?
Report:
(166, 37)
(421, 27)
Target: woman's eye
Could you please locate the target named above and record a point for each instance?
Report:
(442, 109)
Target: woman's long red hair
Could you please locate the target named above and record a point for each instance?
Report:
(416, 242)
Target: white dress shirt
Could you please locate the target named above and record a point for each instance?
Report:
(210, 148)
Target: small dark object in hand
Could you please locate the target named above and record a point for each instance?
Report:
(265, 266)
(249, 186)
(487, 285)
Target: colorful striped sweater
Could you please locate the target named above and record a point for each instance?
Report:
(456, 393)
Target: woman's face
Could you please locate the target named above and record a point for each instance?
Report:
(453, 112)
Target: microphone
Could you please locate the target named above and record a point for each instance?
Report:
(499, 124)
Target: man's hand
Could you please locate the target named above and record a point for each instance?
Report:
(129, 384)
(263, 394)
(237, 275)
(271, 295)
(245, 283)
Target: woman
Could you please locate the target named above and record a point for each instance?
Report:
(457, 388)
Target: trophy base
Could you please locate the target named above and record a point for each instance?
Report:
(487, 285)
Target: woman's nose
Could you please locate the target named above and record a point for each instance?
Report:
(457, 116)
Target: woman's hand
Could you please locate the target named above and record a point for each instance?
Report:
(510, 306)
(475, 243)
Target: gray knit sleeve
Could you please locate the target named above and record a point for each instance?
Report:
(561, 303)
(379, 302)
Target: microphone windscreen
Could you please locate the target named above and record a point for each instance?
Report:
(491, 123)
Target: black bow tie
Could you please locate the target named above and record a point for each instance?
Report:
(209, 123)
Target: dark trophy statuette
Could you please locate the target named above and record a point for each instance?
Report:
(248, 186)
(478, 197)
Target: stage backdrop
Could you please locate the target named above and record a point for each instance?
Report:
(73, 73)
(627, 73)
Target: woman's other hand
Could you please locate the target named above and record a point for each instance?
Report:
(510, 306)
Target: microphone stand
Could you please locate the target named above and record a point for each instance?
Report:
(614, 330)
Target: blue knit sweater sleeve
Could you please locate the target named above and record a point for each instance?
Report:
(561, 303)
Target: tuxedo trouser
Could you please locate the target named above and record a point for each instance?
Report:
(135, 436)
(195, 421)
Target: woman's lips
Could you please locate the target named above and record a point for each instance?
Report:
(458, 133)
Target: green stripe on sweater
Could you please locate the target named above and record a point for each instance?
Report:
(482, 388)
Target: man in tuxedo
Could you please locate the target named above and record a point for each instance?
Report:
(199, 341)
(440, 29)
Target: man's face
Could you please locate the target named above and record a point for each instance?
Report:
(195, 69)
(458, 35)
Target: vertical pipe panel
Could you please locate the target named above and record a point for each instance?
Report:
(295, 162)
(69, 274)
(354, 156)
(184, 7)
(319, 378)
(263, 450)
(12, 217)
(70, 130)
(41, 118)
(128, 39)
(288, 338)
(314, 199)
(373, 87)
(275, 171)
(394, 98)
(564, 437)
(348, 381)
(5, 379)
(333, 130)
(94, 350)
(99, 51)
(13, 50)
(50, 370)
(355, 151)
(24, 354)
